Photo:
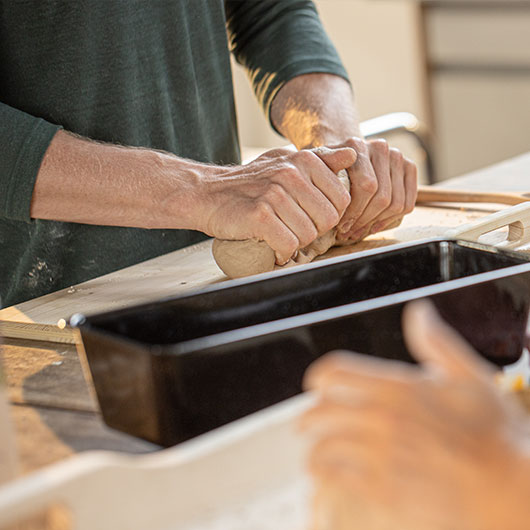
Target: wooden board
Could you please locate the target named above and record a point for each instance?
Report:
(194, 267)
(45, 374)
(46, 435)
(53, 411)
(169, 274)
(179, 271)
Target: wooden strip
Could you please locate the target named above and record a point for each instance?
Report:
(433, 194)
(36, 331)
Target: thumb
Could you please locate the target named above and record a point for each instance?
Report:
(337, 158)
(431, 341)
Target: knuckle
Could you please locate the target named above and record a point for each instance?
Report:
(276, 193)
(380, 146)
(383, 201)
(396, 157)
(291, 173)
(263, 212)
(409, 162)
(368, 185)
(354, 143)
(305, 156)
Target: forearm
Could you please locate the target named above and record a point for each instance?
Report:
(95, 183)
(283, 198)
(316, 109)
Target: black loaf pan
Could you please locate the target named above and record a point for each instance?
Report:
(173, 369)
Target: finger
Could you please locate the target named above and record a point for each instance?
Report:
(322, 166)
(359, 235)
(411, 185)
(370, 229)
(358, 372)
(274, 231)
(410, 189)
(364, 186)
(318, 207)
(431, 341)
(397, 205)
(388, 224)
(291, 214)
(336, 158)
(378, 417)
(298, 181)
(358, 455)
(380, 160)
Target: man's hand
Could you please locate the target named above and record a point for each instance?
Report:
(313, 110)
(383, 189)
(435, 446)
(286, 199)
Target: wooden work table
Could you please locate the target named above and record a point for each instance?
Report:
(55, 414)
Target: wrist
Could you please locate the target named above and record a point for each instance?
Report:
(183, 197)
(325, 134)
(312, 110)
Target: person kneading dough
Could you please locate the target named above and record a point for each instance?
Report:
(120, 143)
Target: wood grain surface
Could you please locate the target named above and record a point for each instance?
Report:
(53, 411)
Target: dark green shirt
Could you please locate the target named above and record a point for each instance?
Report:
(135, 72)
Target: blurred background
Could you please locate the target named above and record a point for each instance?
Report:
(462, 67)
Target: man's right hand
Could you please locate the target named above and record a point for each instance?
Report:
(285, 198)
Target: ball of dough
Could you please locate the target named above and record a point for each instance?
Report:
(243, 258)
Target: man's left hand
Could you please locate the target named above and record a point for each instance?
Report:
(383, 189)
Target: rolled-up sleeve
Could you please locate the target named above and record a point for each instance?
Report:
(24, 140)
(277, 40)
